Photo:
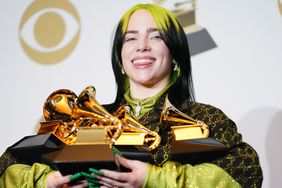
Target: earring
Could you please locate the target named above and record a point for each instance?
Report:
(122, 71)
(175, 65)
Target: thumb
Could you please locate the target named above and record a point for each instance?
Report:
(127, 163)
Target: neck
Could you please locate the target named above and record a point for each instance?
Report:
(139, 91)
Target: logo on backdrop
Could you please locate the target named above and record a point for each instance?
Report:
(49, 30)
(280, 6)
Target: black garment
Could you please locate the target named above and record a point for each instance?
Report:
(240, 161)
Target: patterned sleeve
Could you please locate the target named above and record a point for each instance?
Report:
(21, 175)
(173, 174)
(6, 160)
(241, 161)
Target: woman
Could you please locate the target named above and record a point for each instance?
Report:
(151, 60)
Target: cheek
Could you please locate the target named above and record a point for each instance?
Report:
(167, 59)
(165, 51)
(162, 50)
(125, 53)
(125, 58)
(166, 56)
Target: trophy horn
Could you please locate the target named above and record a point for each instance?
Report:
(152, 138)
(184, 127)
(87, 106)
(59, 105)
(57, 111)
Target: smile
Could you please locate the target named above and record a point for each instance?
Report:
(143, 60)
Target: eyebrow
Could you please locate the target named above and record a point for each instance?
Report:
(149, 30)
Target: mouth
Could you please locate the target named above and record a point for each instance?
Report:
(143, 61)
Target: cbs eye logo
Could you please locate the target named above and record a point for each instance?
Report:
(49, 30)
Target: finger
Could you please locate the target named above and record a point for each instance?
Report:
(104, 184)
(78, 184)
(119, 176)
(130, 164)
(60, 180)
(122, 161)
(109, 182)
(65, 179)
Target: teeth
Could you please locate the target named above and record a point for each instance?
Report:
(142, 61)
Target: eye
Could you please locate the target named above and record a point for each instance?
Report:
(157, 37)
(127, 39)
(49, 32)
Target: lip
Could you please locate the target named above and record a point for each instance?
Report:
(143, 61)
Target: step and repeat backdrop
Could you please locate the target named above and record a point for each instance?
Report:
(236, 49)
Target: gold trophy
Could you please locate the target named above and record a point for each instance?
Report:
(79, 133)
(183, 126)
(131, 126)
(190, 135)
(89, 131)
(185, 11)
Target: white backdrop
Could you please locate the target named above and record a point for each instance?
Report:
(241, 76)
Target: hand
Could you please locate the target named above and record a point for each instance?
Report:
(56, 180)
(135, 178)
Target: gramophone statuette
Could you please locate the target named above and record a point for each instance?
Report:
(82, 125)
(82, 120)
(182, 126)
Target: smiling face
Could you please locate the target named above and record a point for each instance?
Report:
(145, 57)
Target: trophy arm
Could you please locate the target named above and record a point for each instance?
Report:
(131, 125)
(204, 127)
(155, 137)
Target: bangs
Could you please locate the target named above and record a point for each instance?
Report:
(162, 17)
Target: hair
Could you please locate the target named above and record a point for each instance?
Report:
(176, 41)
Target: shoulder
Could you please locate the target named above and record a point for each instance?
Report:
(220, 125)
(209, 114)
(200, 110)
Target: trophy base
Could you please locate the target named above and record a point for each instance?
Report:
(70, 159)
(195, 151)
(77, 158)
(192, 151)
(199, 39)
(29, 149)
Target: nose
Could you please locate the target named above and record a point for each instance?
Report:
(144, 45)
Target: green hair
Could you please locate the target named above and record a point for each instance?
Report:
(162, 17)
